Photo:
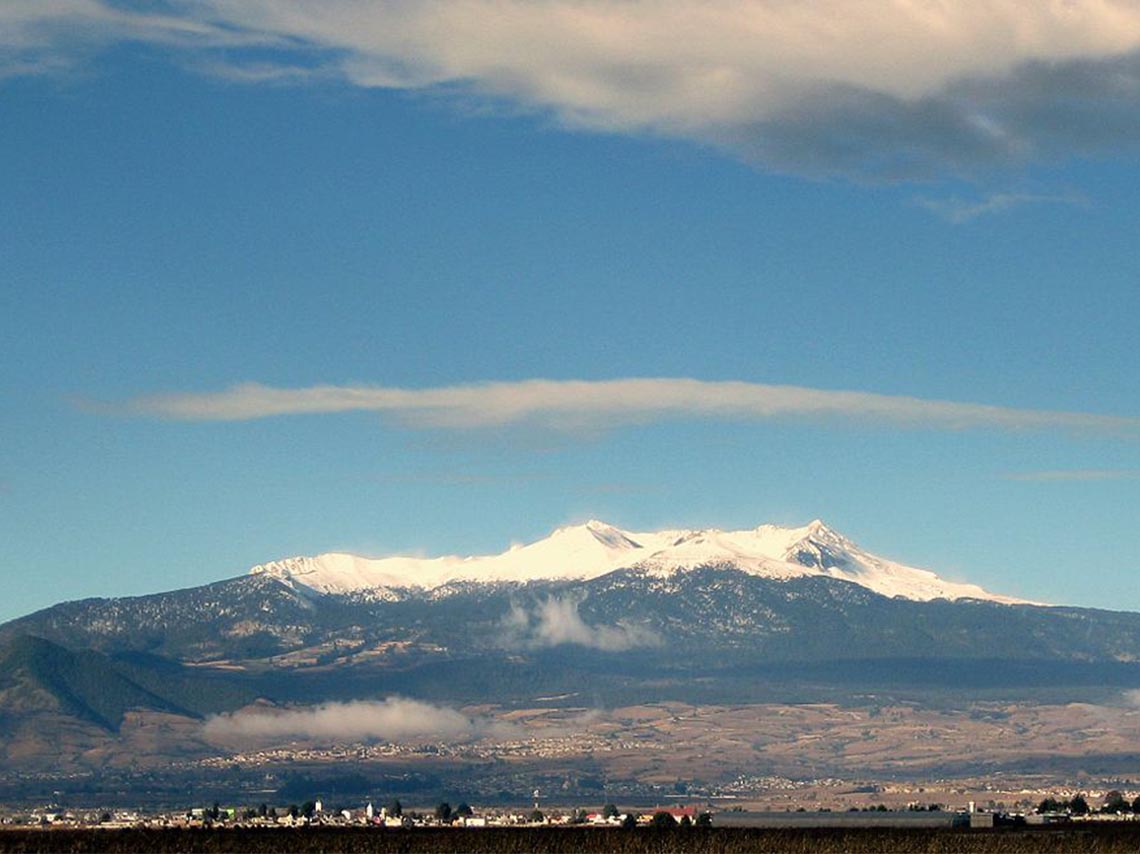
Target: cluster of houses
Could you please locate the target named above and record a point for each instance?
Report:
(315, 815)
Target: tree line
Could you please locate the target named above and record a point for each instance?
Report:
(1114, 803)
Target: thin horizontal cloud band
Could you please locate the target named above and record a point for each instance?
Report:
(585, 404)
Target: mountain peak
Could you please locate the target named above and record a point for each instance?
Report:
(589, 525)
(604, 533)
(610, 536)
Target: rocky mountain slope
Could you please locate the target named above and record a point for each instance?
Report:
(766, 595)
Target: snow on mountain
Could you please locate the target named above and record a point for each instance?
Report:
(579, 552)
(582, 552)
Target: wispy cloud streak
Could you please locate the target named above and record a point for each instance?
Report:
(46, 36)
(1063, 475)
(958, 211)
(582, 405)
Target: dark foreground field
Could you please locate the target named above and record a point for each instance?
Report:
(1100, 839)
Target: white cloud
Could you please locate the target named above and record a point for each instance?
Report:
(556, 621)
(871, 88)
(393, 719)
(591, 405)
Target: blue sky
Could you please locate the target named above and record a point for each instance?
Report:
(280, 278)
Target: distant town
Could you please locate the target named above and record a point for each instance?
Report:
(1055, 808)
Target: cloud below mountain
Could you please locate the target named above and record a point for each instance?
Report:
(582, 405)
(556, 621)
(878, 89)
(395, 718)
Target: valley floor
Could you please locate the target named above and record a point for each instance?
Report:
(761, 756)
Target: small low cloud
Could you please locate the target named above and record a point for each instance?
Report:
(393, 719)
(1062, 475)
(957, 211)
(555, 621)
(590, 405)
(1132, 697)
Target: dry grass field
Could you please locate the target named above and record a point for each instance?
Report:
(1103, 840)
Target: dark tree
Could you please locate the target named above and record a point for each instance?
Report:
(308, 808)
(686, 821)
(537, 817)
(1114, 802)
(395, 809)
(443, 811)
(1078, 805)
(704, 820)
(1136, 805)
(662, 820)
(610, 811)
(463, 809)
(630, 821)
(1050, 804)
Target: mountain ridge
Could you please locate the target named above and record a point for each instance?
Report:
(594, 548)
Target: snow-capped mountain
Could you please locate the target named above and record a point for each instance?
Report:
(590, 603)
(588, 551)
